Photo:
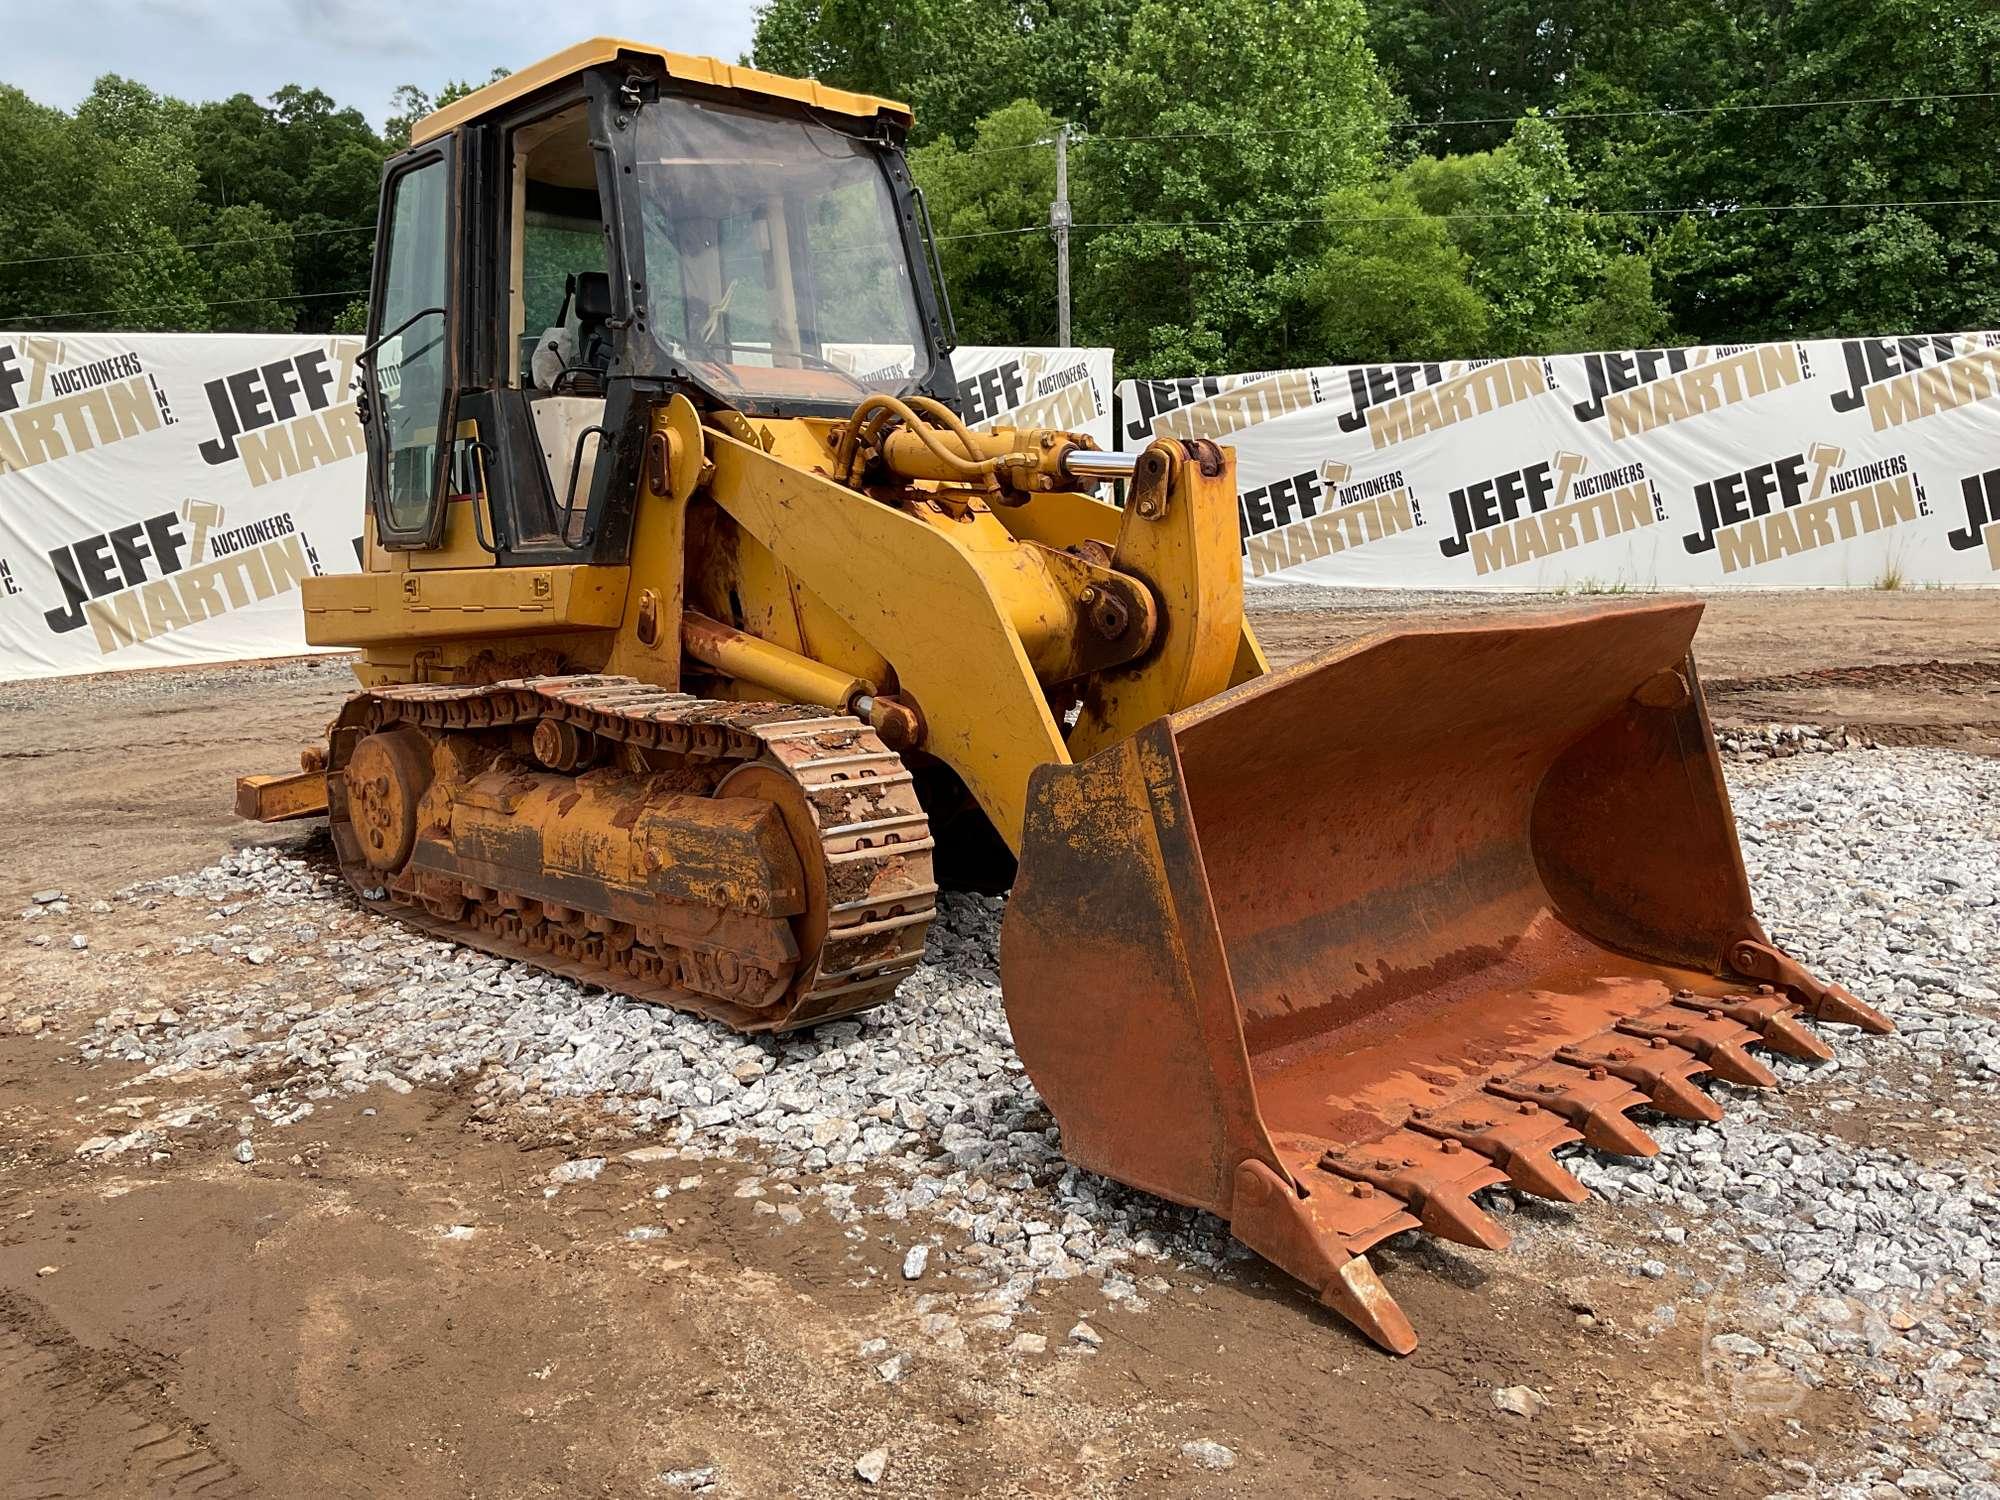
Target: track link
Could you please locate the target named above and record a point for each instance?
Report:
(856, 822)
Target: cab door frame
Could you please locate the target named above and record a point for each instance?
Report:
(427, 531)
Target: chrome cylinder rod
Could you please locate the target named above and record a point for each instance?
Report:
(1087, 463)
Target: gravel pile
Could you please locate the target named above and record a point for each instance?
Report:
(1874, 1266)
(1780, 741)
(335, 668)
(918, 1111)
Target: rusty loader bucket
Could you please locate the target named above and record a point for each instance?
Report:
(1331, 952)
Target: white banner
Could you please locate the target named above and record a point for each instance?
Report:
(1858, 463)
(1068, 389)
(161, 495)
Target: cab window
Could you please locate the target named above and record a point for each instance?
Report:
(410, 373)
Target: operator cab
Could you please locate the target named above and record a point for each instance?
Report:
(564, 249)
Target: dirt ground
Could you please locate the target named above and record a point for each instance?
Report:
(306, 1325)
(1908, 668)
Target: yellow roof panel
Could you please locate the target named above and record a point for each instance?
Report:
(604, 49)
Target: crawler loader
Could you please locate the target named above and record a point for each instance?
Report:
(702, 639)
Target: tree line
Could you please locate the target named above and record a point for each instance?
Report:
(1343, 181)
(141, 211)
(1252, 185)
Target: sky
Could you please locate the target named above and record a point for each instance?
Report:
(356, 50)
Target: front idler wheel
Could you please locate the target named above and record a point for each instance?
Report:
(387, 777)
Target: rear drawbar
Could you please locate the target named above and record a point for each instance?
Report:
(1333, 951)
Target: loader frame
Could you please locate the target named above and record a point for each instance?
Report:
(1326, 951)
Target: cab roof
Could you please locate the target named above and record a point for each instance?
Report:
(708, 70)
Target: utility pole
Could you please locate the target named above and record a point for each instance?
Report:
(1059, 222)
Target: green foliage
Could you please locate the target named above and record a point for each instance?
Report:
(409, 104)
(249, 271)
(1392, 284)
(145, 212)
(1002, 283)
(1254, 185)
(952, 61)
(1204, 215)
(1474, 59)
(1622, 313)
(1539, 262)
(352, 318)
(118, 175)
(1556, 228)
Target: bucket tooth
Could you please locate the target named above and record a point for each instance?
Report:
(1820, 1000)
(1659, 1068)
(1771, 1015)
(1716, 1040)
(1357, 1294)
(1454, 1216)
(1786, 1033)
(1312, 1236)
(1539, 1173)
(1518, 1137)
(1836, 1003)
(1436, 1178)
(1729, 1062)
(1592, 1100)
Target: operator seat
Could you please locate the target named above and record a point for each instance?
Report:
(593, 339)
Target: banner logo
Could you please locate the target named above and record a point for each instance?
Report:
(1033, 394)
(1246, 405)
(1151, 399)
(140, 581)
(991, 392)
(1800, 503)
(49, 410)
(1901, 381)
(284, 418)
(1480, 390)
(1645, 390)
(1526, 514)
(1356, 515)
(1982, 516)
(1368, 386)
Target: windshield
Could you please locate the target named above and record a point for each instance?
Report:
(775, 266)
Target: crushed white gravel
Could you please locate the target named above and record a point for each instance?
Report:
(1875, 1264)
(1872, 1265)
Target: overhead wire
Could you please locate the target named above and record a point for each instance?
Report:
(253, 239)
(1714, 209)
(1560, 117)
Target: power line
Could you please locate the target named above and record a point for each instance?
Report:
(1585, 213)
(1024, 146)
(1711, 109)
(8, 320)
(254, 239)
(1558, 118)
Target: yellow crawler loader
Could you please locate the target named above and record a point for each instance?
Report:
(702, 639)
